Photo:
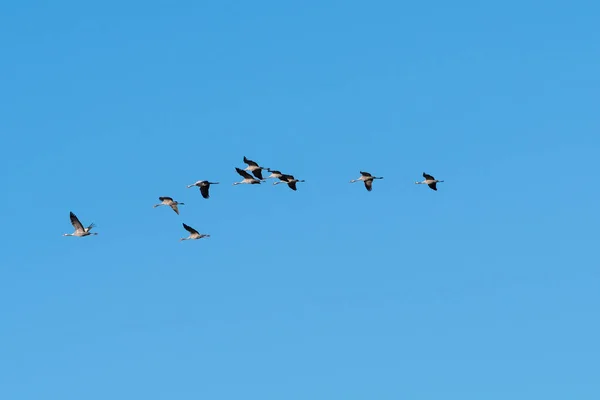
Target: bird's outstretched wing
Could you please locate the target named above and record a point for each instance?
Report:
(365, 173)
(189, 228)
(286, 177)
(292, 185)
(369, 185)
(163, 198)
(250, 162)
(433, 185)
(243, 173)
(204, 191)
(427, 176)
(76, 223)
(258, 173)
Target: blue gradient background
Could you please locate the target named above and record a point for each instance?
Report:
(485, 289)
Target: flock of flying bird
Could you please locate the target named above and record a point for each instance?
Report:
(256, 170)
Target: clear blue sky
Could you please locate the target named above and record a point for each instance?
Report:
(485, 289)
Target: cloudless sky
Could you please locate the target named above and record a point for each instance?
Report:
(485, 289)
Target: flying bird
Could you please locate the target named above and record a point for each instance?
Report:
(254, 168)
(367, 178)
(429, 181)
(168, 201)
(289, 179)
(274, 174)
(204, 186)
(194, 234)
(249, 179)
(80, 231)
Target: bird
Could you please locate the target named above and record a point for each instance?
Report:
(254, 168)
(367, 178)
(168, 201)
(194, 234)
(249, 179)
(274, 174)
(289, 179)
(203, 185)
(80, 231)
(429, 181)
